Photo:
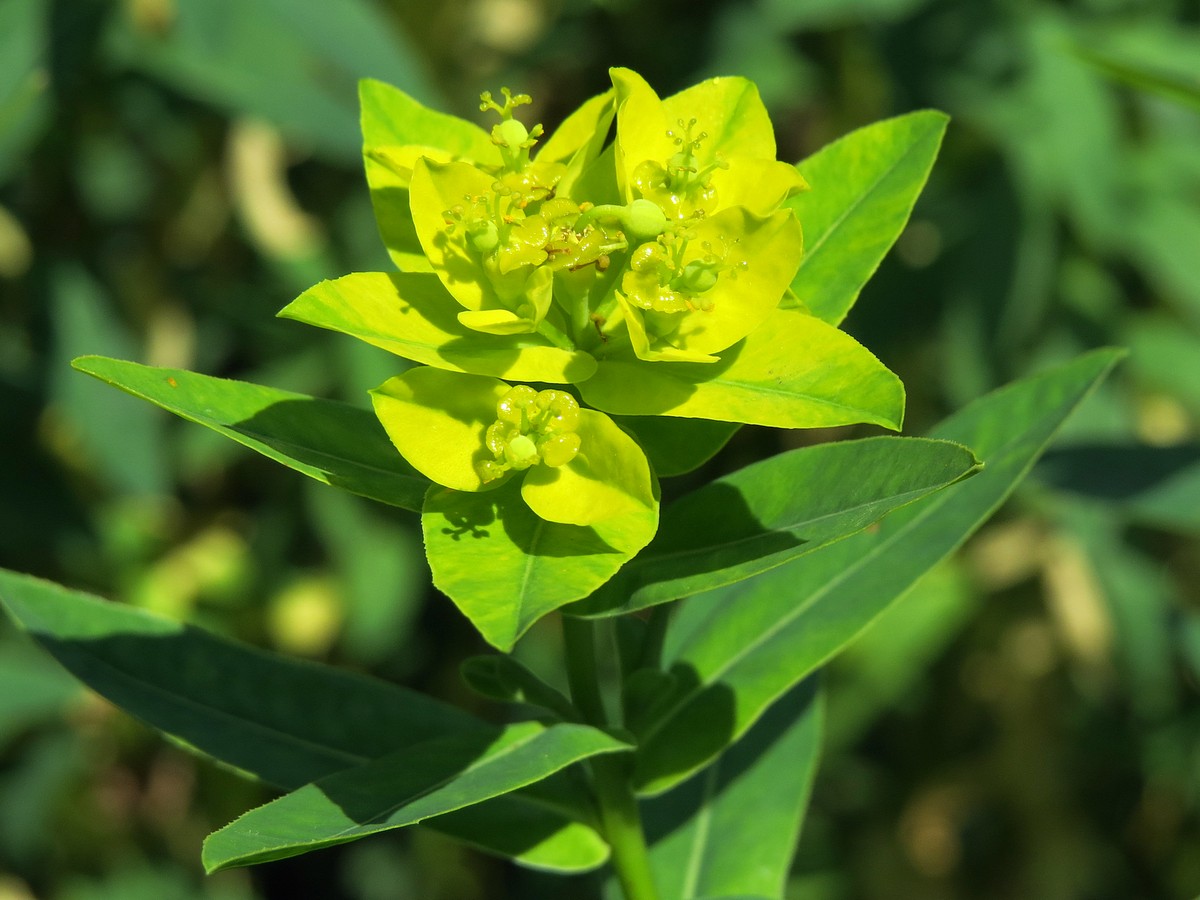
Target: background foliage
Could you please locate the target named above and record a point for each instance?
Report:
(173, 172)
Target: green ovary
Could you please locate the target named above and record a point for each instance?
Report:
(659, 280)
(531, 427)
(682, 187)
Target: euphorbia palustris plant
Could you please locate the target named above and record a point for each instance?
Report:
(649, 275)
(588, 311)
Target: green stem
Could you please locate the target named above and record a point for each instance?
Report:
(619, 815)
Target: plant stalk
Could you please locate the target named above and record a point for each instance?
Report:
(619, 815)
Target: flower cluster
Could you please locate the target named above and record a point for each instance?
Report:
(629, 274)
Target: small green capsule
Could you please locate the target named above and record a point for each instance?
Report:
(560, 449)
(510, 133)
(521, 452)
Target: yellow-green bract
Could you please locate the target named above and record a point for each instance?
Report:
(644, 275)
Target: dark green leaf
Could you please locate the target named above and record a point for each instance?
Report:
(504, 679)
(732, 829)
(403, 788)
(1155, 485)
(778, 628)
(776, 510)
(677, 446)
(333, 442)
(284, 721)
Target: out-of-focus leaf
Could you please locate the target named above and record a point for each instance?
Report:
(775, 510)
(333, 442)
(424, 780)
(1155, 485)
(1139, 596)
(1150, 56)
(779, 627)
(24, 99)
(883, 667)
(380, 568)
(297, 65)
(822, 14)
(33, 689)
(123, 439)
(1166, 357)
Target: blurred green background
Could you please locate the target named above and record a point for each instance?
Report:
(1025, 724)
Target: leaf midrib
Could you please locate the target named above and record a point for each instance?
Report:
(800, 609)
(849, 510)
(217, 712)
(852, 209)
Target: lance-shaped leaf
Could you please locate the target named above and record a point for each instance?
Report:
(281, 720)
(505, 567)
(731, 830)
(413, 316)
(779, 627)
(397, 130)
(333, 442)
(793, 371)
(773, 511)
(864, 186)
(403, 788)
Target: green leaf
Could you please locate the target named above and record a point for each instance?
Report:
(678, 446)
(333, 442)
(773, 511)
(403, 788)
(293, 65)
(505, 567)
(732, 829)
(793, 371)
(413, 316)
(863, 190)
(781, 626)
(786, 16)
(531, 827)
(1155, 485)
(505, 680)
(281, 720)
(1158, 57)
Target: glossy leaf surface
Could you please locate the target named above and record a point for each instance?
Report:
(793, 371)
(773, 511)
(413, 316)
(403, 788)
(333, 442)
(864, 187)
(278, 719)
(731, 830)
(779, 627)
